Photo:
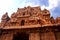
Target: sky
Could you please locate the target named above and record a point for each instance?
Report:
(11, 6)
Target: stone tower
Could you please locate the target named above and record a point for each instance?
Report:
(30, 23)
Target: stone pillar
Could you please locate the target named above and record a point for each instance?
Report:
(51, 35)
(57, 35)
(47, 36)
(6, 37)
(34, 36)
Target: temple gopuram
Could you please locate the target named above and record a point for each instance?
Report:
(29, 23)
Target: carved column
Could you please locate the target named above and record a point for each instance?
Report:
(6, 37)
(47, 36)
(51, 35)
(34, 36)
(57, 35)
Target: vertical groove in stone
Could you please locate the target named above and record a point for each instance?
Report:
(34, 36)
(47, 36)
(6, 37)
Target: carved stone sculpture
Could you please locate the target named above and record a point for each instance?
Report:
(5, 18)
(58, 20)
(30, 15)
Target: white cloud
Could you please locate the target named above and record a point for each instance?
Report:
(52, 4)
(31, 4)
(5, 3)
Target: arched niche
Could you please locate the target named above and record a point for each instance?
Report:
(22, 22)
